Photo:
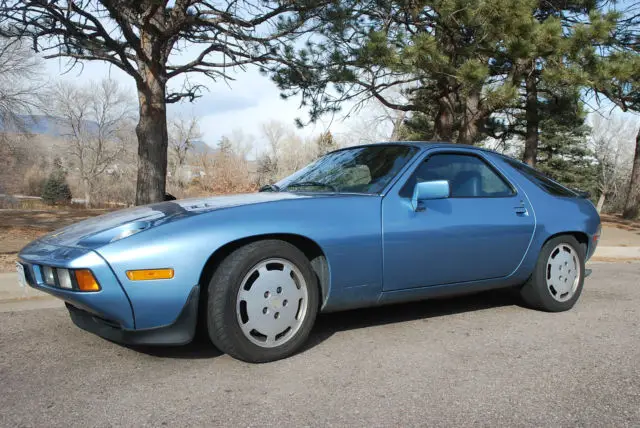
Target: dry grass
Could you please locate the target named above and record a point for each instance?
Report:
(8, 262)
(49, 219)
(615, 220)
(614, 259)
(19, 227)
(12, 239)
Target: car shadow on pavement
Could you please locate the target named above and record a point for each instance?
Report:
(200, 347)
(328, 324)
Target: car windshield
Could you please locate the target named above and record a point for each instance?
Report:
(357, 170)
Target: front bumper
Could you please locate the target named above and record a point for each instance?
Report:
(109, 312)
(180, 332)
(111, 302)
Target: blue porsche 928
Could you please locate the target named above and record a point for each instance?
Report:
(362, 226)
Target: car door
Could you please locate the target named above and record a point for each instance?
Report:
(482, 231)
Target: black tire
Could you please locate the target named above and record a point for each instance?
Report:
(222, 320)
(535, 292)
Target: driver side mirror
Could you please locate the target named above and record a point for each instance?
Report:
(427, 190)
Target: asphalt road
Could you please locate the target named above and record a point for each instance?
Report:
(479, 360)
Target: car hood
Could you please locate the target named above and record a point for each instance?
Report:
(103, 229)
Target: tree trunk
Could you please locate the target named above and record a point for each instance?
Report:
(533, 121)
(469, 127)
(444, 117)
(87, 193)
(601, 200)
(398, 122)
(468, 132)
(632, 206)
(152, 140)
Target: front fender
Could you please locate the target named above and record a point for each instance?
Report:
(347, 229)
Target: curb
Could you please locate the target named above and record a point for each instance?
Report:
(26, 299)
(617, 253)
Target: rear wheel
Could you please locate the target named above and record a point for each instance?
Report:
(556, 283)
(263, 301)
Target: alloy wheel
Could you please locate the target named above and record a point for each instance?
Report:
(272, 302)
(563, 272)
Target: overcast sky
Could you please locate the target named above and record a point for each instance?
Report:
(243, 104)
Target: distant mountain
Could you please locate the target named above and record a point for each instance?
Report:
(57, 127)
(200, 147)
(42, 125)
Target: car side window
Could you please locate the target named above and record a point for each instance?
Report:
(468, 176)
(545, 183)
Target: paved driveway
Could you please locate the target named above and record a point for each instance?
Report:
(479, 360)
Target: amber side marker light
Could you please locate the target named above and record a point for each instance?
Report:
(149, 274)
(86, 281)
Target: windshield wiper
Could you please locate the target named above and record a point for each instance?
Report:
(269, 188)
(333, 188)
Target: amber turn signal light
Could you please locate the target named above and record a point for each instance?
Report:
(149, 274)
(86, 281)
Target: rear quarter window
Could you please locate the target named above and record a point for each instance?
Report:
(539, 179)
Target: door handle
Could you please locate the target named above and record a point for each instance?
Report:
(521, 210)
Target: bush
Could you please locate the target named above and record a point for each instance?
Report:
(56, 190)
(34, 181)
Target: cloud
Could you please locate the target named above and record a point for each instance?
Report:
(213, 103)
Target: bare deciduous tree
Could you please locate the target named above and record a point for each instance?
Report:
(19, 82)
(226, 171)
(295, 153)
(145, 39)
(268, 165)
(286, 152)
(98, 122)
(274, 132)
(611, 141)
(19, 88)
(376, 123)
(183, 131)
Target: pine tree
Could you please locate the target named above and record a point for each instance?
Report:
(453, 62)
(56, 190)
(417, 127)
(325, 143)
(266, 170)
(563, 153)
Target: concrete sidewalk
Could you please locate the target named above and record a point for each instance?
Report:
(10, 290)
(619, 237)
(618, 253)
(15, 298)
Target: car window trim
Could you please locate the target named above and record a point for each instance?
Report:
(408, 165)
(462, 152)
(572, 193)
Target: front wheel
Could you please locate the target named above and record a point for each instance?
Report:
(263, 301)
(556, 283)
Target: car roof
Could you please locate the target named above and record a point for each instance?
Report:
(423, 144)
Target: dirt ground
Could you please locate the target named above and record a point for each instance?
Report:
(618, 232)
(19, 227)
